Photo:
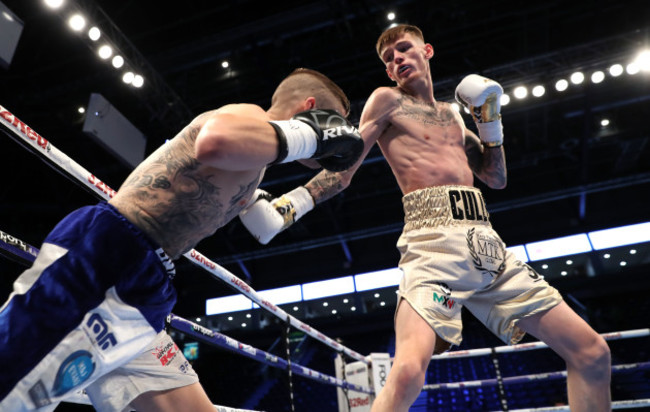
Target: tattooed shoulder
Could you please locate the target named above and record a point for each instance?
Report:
(438, 114)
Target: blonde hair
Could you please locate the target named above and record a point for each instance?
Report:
(303, 82)
(393, 33)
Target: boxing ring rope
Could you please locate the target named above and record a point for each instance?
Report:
(24, 134)
(22, 252)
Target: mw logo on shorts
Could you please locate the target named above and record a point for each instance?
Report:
(467, 205)
(444, 300)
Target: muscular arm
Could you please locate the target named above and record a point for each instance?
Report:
(237, 138)
(488, 164)
(326, 184)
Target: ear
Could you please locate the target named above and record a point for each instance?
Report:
(390, 76)
(309, 103)
(428, 51)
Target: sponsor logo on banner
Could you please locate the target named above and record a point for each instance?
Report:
(25, 130)
(203, 330)
(166, 353)
(74, 370)
(100, 332)
(357, 402)
(202, 259)
(101, 185)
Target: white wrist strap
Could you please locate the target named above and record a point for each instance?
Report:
(491, 133)
(300, 137)
(301, 200)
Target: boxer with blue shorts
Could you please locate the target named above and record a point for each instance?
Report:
(91, 310)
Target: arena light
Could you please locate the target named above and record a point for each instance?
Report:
(561, 85)
(632, 68)
(604, 122)
(505, 99)
(53, 4)
(279, 296)
(597, 77)
(128, 77)
(138, 81)
(81, 109)
(615, 70)
(94, 34)
(377, 280)
(577, 77)
(325, 288)
(105, 52)
(643, 60)
(563, 246)
(225, 64)
(117, 61)
(390, 16)
(539, 90)
(227, 304)
(520, 92)
(455, 106)
(620, 236)
(77, 22)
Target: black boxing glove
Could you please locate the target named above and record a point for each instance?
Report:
(319, 134)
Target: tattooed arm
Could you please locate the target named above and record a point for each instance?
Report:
(488, 164)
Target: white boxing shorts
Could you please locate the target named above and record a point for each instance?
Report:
(451, 257)
(95, 298)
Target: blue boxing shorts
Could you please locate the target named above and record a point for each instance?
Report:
(94, 299)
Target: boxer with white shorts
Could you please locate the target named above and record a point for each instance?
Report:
(451, 257)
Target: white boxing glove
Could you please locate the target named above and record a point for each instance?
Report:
(482, 97)
(265, 217)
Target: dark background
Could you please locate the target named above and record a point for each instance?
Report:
(567, 174)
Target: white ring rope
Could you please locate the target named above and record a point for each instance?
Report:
(635, 333)
(61, 161)
(631, 404)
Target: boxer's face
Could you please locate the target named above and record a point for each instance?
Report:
(407, 57)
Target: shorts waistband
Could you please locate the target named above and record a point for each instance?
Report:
(444, 206)
(166, 261)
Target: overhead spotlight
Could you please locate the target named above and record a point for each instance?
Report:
(225, 64)
(325, 304)
(390, 16)
(505, 99)
(105, 51)
(520, 92)
(243, 325)
(597, 76)
(607, 255)
(632, 251)
(77, 22)
(561, 85)
(53, 4)
(94, 33)
(569, 262)
(230, 318)
(577, 77)
(295, 308)
(615, 70)
(455, 106)
(643, 60)
(138, 81)
(81, 109)
(353, 308)
(128, 77)
(604, 122)
(118, 61)
(622, 263)
(538, 91)
(632, 68)
(563, 273)
(333, 311)
(544, 266)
